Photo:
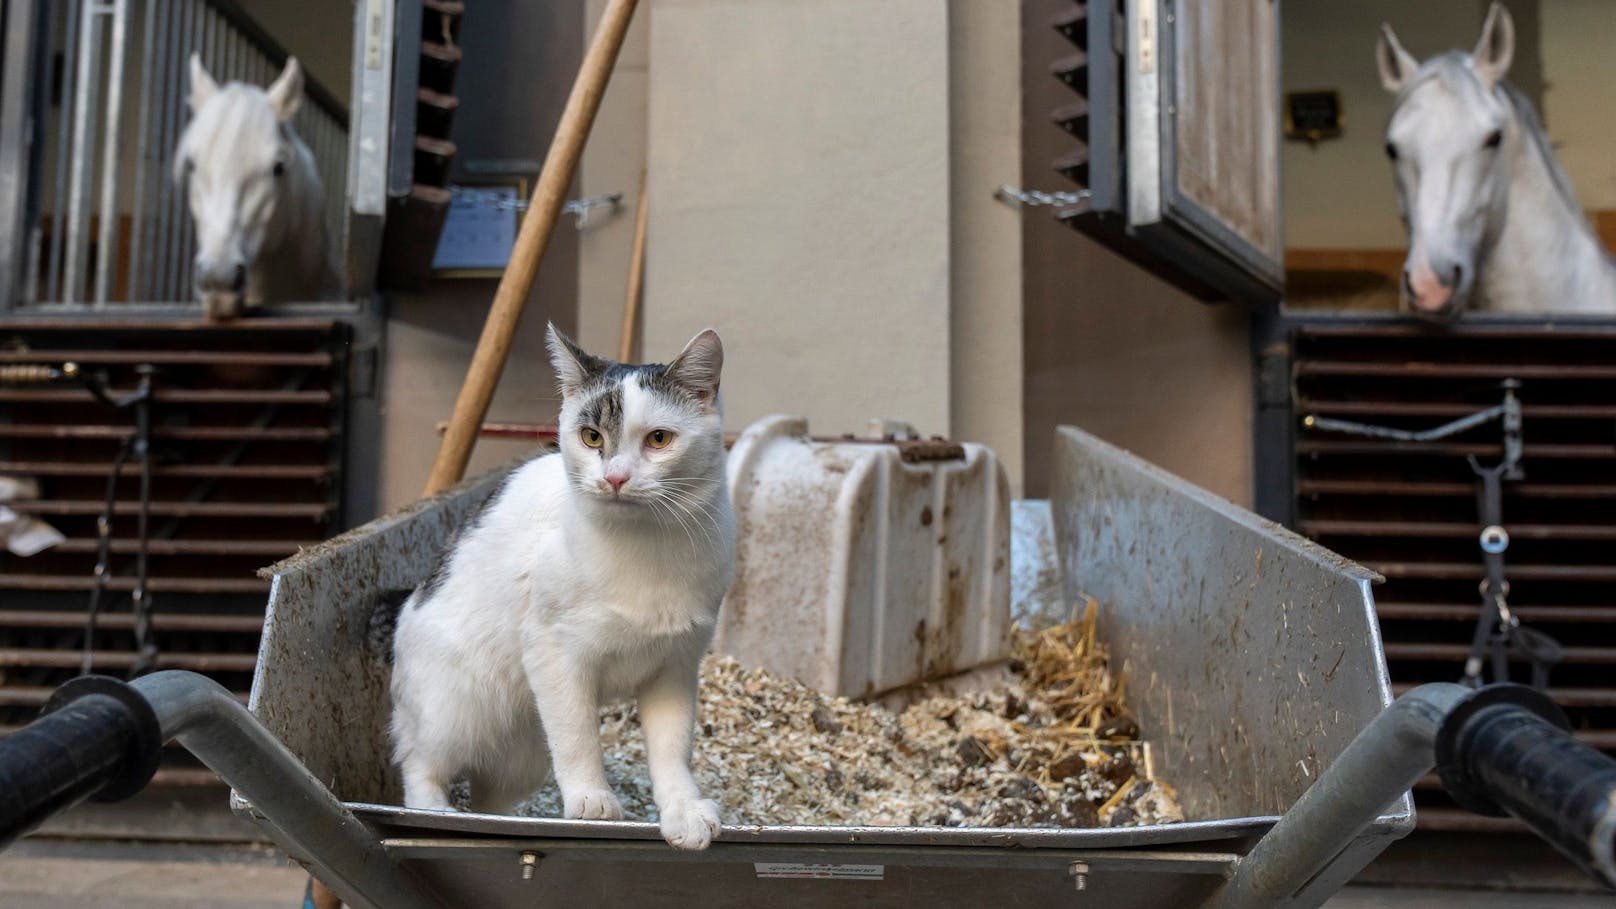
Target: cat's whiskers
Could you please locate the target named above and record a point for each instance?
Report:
(672, 501)
(691, 502)
(679, 501)
(682, 488)
(655, 504)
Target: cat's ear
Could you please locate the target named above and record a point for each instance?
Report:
(697, 367)
(574, 368)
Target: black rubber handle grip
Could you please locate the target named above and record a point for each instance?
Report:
(97, 738)
(1507, 751)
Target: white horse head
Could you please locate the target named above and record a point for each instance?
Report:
(1445, 142)
(254, 193)
(1491, 217)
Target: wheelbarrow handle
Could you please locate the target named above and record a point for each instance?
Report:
(97, 738)
(1507, 750)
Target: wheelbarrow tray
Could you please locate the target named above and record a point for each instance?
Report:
(1253, 658)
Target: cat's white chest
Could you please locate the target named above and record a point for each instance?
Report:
(641, 605)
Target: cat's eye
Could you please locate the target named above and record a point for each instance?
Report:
(658, 438)
(592, 437)
(1494, 138)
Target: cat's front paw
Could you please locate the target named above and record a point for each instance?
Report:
(690, 823)
(594, 805)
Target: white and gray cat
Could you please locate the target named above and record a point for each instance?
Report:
(592, 574)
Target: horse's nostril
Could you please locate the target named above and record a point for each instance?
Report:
(1458, 275)
(1408, 285)
(239, 283)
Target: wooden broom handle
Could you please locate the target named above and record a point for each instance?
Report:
(636, 282)
(560, 165)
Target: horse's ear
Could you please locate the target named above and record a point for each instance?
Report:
(286, 93)
(202, 84)
(1396, 65)
(1496, 48)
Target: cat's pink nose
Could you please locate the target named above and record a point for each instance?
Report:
(617, 480)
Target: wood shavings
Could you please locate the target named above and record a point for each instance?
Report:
(1052, 747)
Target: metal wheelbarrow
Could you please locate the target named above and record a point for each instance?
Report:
(1256, 671)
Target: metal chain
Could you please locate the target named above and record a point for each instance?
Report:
(1018, 198)
(494, 199)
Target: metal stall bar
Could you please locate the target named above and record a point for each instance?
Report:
(168, 70)
(111, 141)
(165, 278)
(152, 49)
(58, 237)
(231, 53)
(80, 155)
(195, 27)
(22, 24)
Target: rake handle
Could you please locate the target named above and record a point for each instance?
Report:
(636, 281)
(560, 165)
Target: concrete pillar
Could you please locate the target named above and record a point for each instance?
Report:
(800, 191)
(821, 178)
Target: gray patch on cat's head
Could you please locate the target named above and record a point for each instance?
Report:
(603, 409)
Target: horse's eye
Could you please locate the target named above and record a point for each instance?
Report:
(1494, 138)
(280, 168)
(1391, 151)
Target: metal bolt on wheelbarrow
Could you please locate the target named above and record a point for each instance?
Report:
(1257, 672)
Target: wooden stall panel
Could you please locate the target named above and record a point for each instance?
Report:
(1226, 117)
(1202, 123)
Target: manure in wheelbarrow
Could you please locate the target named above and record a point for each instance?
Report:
(1052, 746)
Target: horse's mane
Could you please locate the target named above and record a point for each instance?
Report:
(1533, 127)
